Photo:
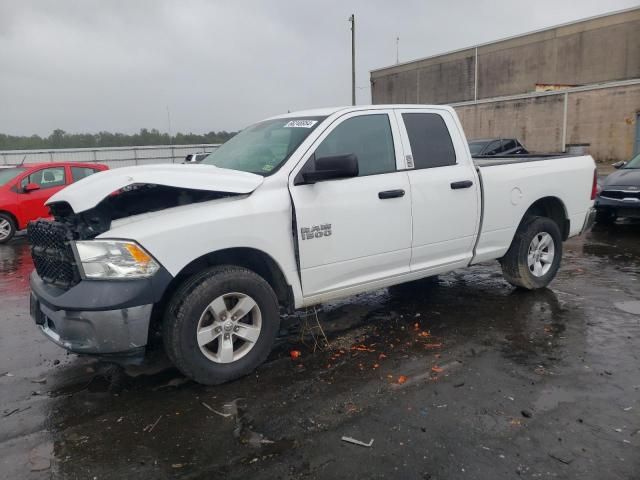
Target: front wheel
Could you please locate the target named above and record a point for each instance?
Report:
(221, 324)
(7, 228)
(533, 259)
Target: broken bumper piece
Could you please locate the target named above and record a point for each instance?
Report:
(105, 318)
(109, 332)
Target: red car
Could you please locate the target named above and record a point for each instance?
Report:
(25, 188)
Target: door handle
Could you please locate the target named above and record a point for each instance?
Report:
(391, 194)
(461, 184)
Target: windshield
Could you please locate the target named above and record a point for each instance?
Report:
(263, 148)
(634, 162)
(8, 174)
(476, 147)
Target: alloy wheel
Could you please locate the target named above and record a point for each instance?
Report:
(229, 327)
(541, 254)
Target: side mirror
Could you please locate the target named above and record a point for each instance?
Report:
(31, 187)
(328, 168)
(618, 164)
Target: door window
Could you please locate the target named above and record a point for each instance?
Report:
(46, 178)
(368, 137)
(431, 144)
(78, 173)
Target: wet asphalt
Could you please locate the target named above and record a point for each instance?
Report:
(458, 377)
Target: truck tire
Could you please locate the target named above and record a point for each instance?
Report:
(221, 324)
(7, 228)
(533, 258)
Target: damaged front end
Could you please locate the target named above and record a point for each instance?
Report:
(129, 201)
(52, 242)
(96, 295)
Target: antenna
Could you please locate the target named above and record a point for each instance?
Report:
(23, 159)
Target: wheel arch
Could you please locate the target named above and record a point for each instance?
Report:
(253, 259)
(552, 208)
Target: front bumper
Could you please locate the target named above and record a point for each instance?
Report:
(109, 332)
(109, 318)
(620, 208)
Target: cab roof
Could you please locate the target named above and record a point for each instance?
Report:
(325, 112)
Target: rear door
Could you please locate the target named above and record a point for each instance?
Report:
(50, 180)
(78, 173)
(445, 195)
(350, 232)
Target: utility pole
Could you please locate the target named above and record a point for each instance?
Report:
(397, 50)
(352, 19)
(169, 124)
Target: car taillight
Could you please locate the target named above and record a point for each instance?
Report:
(594, 188)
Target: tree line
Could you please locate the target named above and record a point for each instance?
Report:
(61, 139)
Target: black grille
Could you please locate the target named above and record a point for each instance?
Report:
(52, 253)
(620, 194)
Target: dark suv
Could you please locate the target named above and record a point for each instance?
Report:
(620, 193)
(496, 146)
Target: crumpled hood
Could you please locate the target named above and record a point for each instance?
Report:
(623, 177)
(90, 191)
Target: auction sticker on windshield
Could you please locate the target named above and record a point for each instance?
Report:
(301, 124)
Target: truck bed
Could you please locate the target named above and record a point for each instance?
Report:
(518, 181)
(489, 161)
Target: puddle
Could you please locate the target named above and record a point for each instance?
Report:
(632, 307)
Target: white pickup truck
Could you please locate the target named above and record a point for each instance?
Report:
(295, 210)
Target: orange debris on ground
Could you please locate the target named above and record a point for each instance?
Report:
(295, 354)
(402, 379)
(362, 348)
(436, 369)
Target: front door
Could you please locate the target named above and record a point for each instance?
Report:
(32, 204)
(445, 194)
(350, 233)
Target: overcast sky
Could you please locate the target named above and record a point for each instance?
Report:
(88, 65)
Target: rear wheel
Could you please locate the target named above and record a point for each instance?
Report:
(533, 258)
(7, 228)
(221, 324)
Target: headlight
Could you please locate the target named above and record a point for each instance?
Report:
(108, 259)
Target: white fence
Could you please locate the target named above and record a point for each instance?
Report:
(113, 157)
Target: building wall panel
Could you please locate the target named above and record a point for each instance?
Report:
(606, 119)
(536, 122)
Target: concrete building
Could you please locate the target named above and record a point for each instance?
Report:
(570, 84)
